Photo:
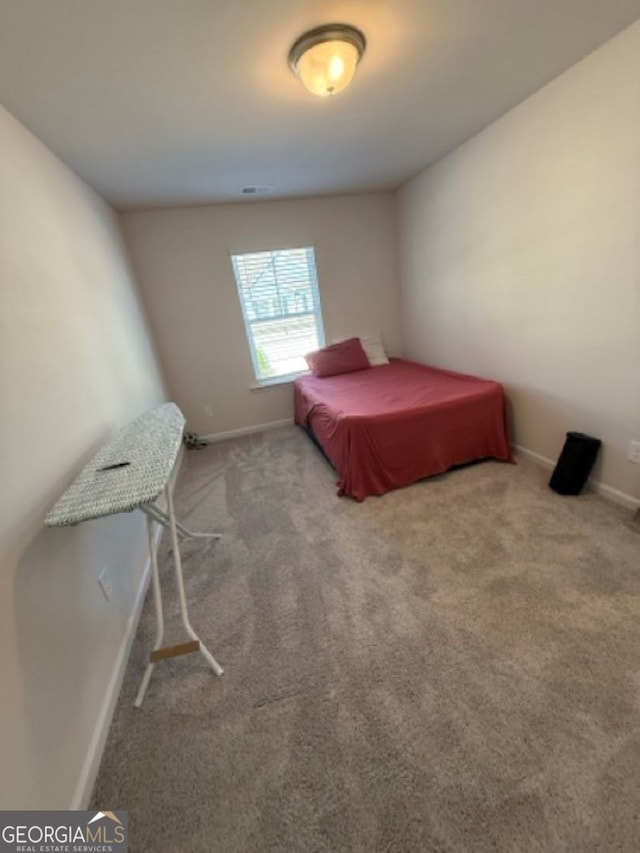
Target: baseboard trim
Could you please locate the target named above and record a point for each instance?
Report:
(235, 433)
(542, 461)
(607, 492)
(86, 782)
(615, 496)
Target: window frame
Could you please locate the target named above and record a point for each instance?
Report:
(315, 312)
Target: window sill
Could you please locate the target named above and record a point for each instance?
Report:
(278, 381)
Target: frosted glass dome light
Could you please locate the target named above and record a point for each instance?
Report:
(325, 58)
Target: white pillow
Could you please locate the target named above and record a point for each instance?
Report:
(373, 347)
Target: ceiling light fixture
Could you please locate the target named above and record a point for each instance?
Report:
(325, 58)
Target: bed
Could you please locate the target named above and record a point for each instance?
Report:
(387, 426)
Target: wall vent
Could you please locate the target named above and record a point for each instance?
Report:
(256, 190)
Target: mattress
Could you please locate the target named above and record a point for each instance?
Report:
(388, 426)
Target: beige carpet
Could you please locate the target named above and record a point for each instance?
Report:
(452, 667)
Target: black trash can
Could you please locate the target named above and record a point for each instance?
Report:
(575, 463)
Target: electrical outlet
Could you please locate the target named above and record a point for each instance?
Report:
(106, 583)
(634, 451)
(208, 410)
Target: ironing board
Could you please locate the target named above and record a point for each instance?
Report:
(130, 472)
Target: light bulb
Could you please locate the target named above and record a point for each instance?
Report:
(328, 67)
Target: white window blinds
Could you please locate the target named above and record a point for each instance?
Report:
(278, 292)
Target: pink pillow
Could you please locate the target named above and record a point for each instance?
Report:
(343, 357)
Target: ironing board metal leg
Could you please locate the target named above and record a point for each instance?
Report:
(157, 597)
(213, 663)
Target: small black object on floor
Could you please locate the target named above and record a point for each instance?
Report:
(575, 463)
(192, 441)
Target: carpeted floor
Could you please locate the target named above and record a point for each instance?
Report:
(452, 667)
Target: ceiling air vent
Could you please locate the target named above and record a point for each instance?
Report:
(256, 190)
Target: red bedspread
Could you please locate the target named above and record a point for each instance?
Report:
(391, 425)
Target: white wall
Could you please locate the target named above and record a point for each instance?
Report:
(520, 259)
(75, 363)
(182, 261)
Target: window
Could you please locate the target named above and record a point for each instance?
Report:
(278, 292)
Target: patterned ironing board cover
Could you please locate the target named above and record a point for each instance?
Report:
(150, 445)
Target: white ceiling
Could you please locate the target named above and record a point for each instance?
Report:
(158, 102)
